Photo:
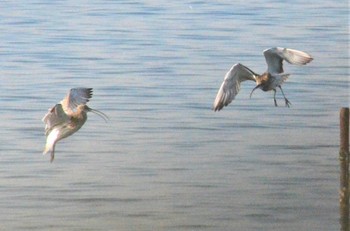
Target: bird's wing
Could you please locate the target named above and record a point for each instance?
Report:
(231, 85)
(275, 56)
(55, 116)
(75, 98)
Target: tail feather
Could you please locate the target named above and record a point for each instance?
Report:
(280, 78)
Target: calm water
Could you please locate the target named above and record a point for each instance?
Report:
(165, 161)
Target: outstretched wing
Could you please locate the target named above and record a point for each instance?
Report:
(275, 56)
(231, 85)
(55, 116)
(75, 98)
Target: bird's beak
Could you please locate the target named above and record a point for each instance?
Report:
(99, 113)
(257, 86)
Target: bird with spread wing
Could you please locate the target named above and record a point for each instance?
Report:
(67, 117)
(270, 80)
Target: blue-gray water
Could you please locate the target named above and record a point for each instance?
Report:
(165, 160)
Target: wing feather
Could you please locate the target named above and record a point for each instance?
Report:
(275, 56)
(55, 116)
(231, 85)
(75, 98)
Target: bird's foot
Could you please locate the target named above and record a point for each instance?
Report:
(288, 103)
(275, 102)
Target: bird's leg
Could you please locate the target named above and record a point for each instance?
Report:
(52, 153)
(274, 97)
(286, 100)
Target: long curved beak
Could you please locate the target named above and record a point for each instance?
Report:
(99, 113)
(257, 86)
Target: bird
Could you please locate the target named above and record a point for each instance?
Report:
(67, 117)
(272, 79)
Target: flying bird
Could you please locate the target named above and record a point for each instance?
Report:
(270, 80)
(67, 117)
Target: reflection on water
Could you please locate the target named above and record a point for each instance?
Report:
(165, 160)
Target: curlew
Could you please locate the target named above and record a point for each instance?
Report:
(270, 80)
(67, 117)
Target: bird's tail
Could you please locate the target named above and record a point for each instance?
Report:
(280, 78)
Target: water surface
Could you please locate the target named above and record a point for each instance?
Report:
(165, 160)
